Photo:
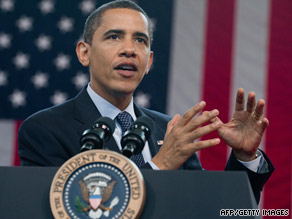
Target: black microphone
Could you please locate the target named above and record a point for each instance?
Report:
(134, 139)
(100, 132)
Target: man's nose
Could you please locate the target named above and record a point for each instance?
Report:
(128, 49)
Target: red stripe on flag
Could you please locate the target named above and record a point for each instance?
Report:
(279, 105)
(15, 158)
(217, 73)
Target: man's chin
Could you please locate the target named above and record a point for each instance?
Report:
(124, 92)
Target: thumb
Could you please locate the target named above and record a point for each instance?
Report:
(172, 123)
(221, 128)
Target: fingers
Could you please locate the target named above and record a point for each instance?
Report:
(190, 126)
(264, 125)
(199, 145)
(204, 130)
(256, 110)
(191, 113)
(250, 105)
(172, 123)
(215, 119)
(200, 120)
(239, 105)
(259, 110)
(205, 144)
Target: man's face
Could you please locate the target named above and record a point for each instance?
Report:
(119, 54)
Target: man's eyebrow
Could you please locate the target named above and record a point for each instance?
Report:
(141, 34)
(118, 31)
(114, 31)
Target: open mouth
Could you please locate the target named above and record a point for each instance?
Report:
(126, 67)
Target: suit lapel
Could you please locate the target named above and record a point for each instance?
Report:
(86, 114)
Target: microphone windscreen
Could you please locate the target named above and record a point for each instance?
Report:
(146, 121)
(107, 122)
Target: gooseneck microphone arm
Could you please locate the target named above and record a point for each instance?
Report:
(134, 139)
(94, 138)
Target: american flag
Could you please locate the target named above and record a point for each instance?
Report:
(203, 50)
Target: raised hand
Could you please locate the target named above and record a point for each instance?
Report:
(179, 141)
(245, 130)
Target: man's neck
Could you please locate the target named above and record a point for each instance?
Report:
(121, 101)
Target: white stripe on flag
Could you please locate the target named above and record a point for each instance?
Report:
(250, 50)
(186, 56)
(7, 136)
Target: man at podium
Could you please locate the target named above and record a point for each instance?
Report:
(117, 49)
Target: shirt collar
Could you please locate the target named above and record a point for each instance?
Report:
(106, 108)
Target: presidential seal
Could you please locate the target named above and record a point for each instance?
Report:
(98, 184)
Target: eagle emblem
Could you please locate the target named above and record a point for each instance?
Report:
(96, 191)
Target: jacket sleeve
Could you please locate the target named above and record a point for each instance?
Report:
(257, 180)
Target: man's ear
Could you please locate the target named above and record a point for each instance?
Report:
(82, 51)
(149, 62)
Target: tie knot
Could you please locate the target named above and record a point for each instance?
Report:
(125, 120)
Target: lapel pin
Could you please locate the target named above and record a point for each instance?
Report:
(160, 142)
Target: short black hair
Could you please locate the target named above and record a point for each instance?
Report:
(94, 19)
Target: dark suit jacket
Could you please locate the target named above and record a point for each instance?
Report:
(52, 136)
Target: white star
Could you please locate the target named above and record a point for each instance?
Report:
(24, 23)
(87, 6)
(44, 42)
(3, 78)
(62, 62)
(40, 80)
(46, 6)
(17, 98)
(7, 5)
(65, 24)
(80, 80)
(142, 99)
(5, 40)
(21, 60)
(59, 97)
